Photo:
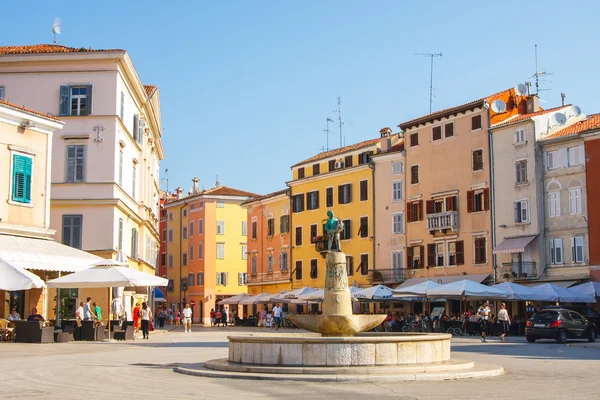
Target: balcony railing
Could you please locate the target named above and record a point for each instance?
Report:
(443, 220)
(520, 270)
(266, 277)
(391, 275)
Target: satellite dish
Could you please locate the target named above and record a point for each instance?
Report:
(574, 111)
(56, 29)
(498, 106)
(559, 118)
(520, 89)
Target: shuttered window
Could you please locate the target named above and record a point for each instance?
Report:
(477, 160)
(316, 169)
(345, 193)
(284, 223)
(312, 200)
(348, 161)
(480, 253)
(300, 173)
(364, 227)
(72, 230)
(476, 122)
(299, 270)
(270, 226)
(75, 100)
(329, 197)
(314, 268)
(364, 190)
(437, 132)
(414, 139)
(414, 174)
(298, 236)
(346, 234)
(75, 168)
(364, 264)
(22, 169)
(449, 129)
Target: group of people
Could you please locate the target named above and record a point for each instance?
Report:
(89, 312)
(262, 316)
(218, 317)
(485, 318)
(34, 316)
(142, 317)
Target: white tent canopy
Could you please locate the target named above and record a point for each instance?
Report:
(550, 292)
(257, 299)
(15, 278)
(293, 294)
(591, 289)
(467, 288)
(106, 276)
(378, 292)
(419, 290)
(518, 292)
(317, 294)
(235, 299)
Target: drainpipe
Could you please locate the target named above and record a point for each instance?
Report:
(48, 179)
(492, 191)
(372, 166)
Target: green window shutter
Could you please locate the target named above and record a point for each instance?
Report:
(28, 183)
(21, 185)
(65, 100)
(89, 99)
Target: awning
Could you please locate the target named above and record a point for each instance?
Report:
(442, 280)
(158, 294)
(43, 254)
(514, 245)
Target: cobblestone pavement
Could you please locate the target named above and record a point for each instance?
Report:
(543, 370)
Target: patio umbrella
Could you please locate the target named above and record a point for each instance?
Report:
(591, 289)
(235, 299)
(551, 292)
(466, 288)
(16, 278)
(294, 294)
(109, 274)
(318, 294)
(418, 290)
(257, 299)
(378, 292)
(518, 292)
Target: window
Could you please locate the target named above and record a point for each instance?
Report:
(75, 100)
(134, 243)
(521, 170)
(329, 197)
(284, 224)
(365, 158)
(121, 168)
(397, 190)
(414, 211)
(435, 255)
(414, 139)
(244, 228)
(478, 200)
(476, 122)
(138, 129)
(185, 212)
(363, 231)
(191, 252)
(520, 136)
(397, 260)
(191, 228)
(242, 278)
(346, 233)
(415, 259)
(270, 263)
(522, 211)
(254, 265)
(220, 204)
(575, 155)
(314, 268)
(449, 129)
(22, 169)
(170, 260)
(480, 251)
(437, 133)
(345, 193)
(397, 223)
(170, 235)
(331, 164)
(556, 251)
(397, 167)
(551, 159)
(220, 227)
(299, 270)
(575, 201)
(477, 160)
(270, 226)
(414, 174)
(313, 232)
(364, 190)
(452, 253)
(220, 251)
(200, 251)
(316, 169)
(200, 278)
(120, 234)
(554, 204)
(191, 280)
(170, 216)
(577, 249)
(75, 168)
(283, 261)
(298, 236)
(72, 230)
(300, 173)
(298, 203)
(133, 182)
(184, 232)
(312, 200)
(349, 265)
(221, 278)
(254, 229)
(2, 95)
(364, 264)
(348, 161)
(122, 111)
(163, 260)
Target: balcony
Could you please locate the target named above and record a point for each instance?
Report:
(520, 270)
(269, 277)
(442, 221)
(386, 276)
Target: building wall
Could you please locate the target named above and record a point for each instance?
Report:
(175, 271)
(197, 211)
(592, 151)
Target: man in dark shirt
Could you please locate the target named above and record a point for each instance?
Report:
(35, 316)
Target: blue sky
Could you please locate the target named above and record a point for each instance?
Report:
(246, 86)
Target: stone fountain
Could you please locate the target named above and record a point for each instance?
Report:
(340, 349)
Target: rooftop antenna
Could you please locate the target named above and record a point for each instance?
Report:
(538, 74)
(166, 178)
(327, 132)
(56, 29)
(432, 56)
(339, 111)
(217, 183)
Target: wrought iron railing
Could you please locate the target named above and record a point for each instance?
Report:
(520, 270)
(266, 277)
(390, 275)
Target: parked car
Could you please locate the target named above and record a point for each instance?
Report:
(559, 323)
(588, 312)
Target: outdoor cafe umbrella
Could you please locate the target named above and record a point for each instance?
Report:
(293, 294)
(108, 274)
(257, 299)
(379, 292)
(559, 294)
(591, 289)
(466, 288)
(518, 292)
(16, 278)
(235, 299)
(418, 290)
(317, 294)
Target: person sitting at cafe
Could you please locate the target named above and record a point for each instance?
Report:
(35, 316)
(14, 315)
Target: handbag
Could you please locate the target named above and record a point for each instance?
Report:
(151, 326)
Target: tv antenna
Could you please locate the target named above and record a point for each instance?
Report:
(56, 29)
(538, 74)
(339, 111)
(327, 132)
(432, 56)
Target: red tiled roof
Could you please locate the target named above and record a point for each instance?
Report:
(524, 117)
(341, 150)
(266, 196)
(48, 48)
(397, 147)
(227, 191)
(6, 103)
(590, 123)
(149, 89)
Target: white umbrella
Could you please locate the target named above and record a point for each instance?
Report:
(235, 299)
(257, 299)
(518, 292)
(378, 292)
(294, 294)
(419, 290)
(16, 278)
(466, 288)
(551, 292)
(591, 289)
(318, 294)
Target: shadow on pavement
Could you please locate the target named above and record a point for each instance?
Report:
(545, 349)
(149, 343)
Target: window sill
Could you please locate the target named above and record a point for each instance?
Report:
(475, 130)
(518, 144)
(479, 212)
(524, 184)
(522, 223)
(16, 203)
(477, 264)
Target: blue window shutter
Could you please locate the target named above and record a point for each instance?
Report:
(28, 183)
(21, 185)
(89, 99)
(65, 100)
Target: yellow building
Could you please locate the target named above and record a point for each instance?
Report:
(206, 248)
(340, 180)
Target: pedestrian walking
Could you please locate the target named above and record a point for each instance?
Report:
(136, 317)
(177, 318)
(483, 313)
(262, 318)
(277, 314)
(224, 317)
(88, 314)
(504, 319)
(187, 319)
(218, 317)
(97, 314)
(212, 317)
(161, 318)
(145, 316)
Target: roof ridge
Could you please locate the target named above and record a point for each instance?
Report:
(341, 150)
(49, 48)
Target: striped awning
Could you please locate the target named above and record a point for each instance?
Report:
(514, 245)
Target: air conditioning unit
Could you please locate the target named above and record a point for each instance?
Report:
(339, 165)
(27, 124)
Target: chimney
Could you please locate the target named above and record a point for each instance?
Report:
(386, 141)
(179, 191)
(533, 104)
(195, 188)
